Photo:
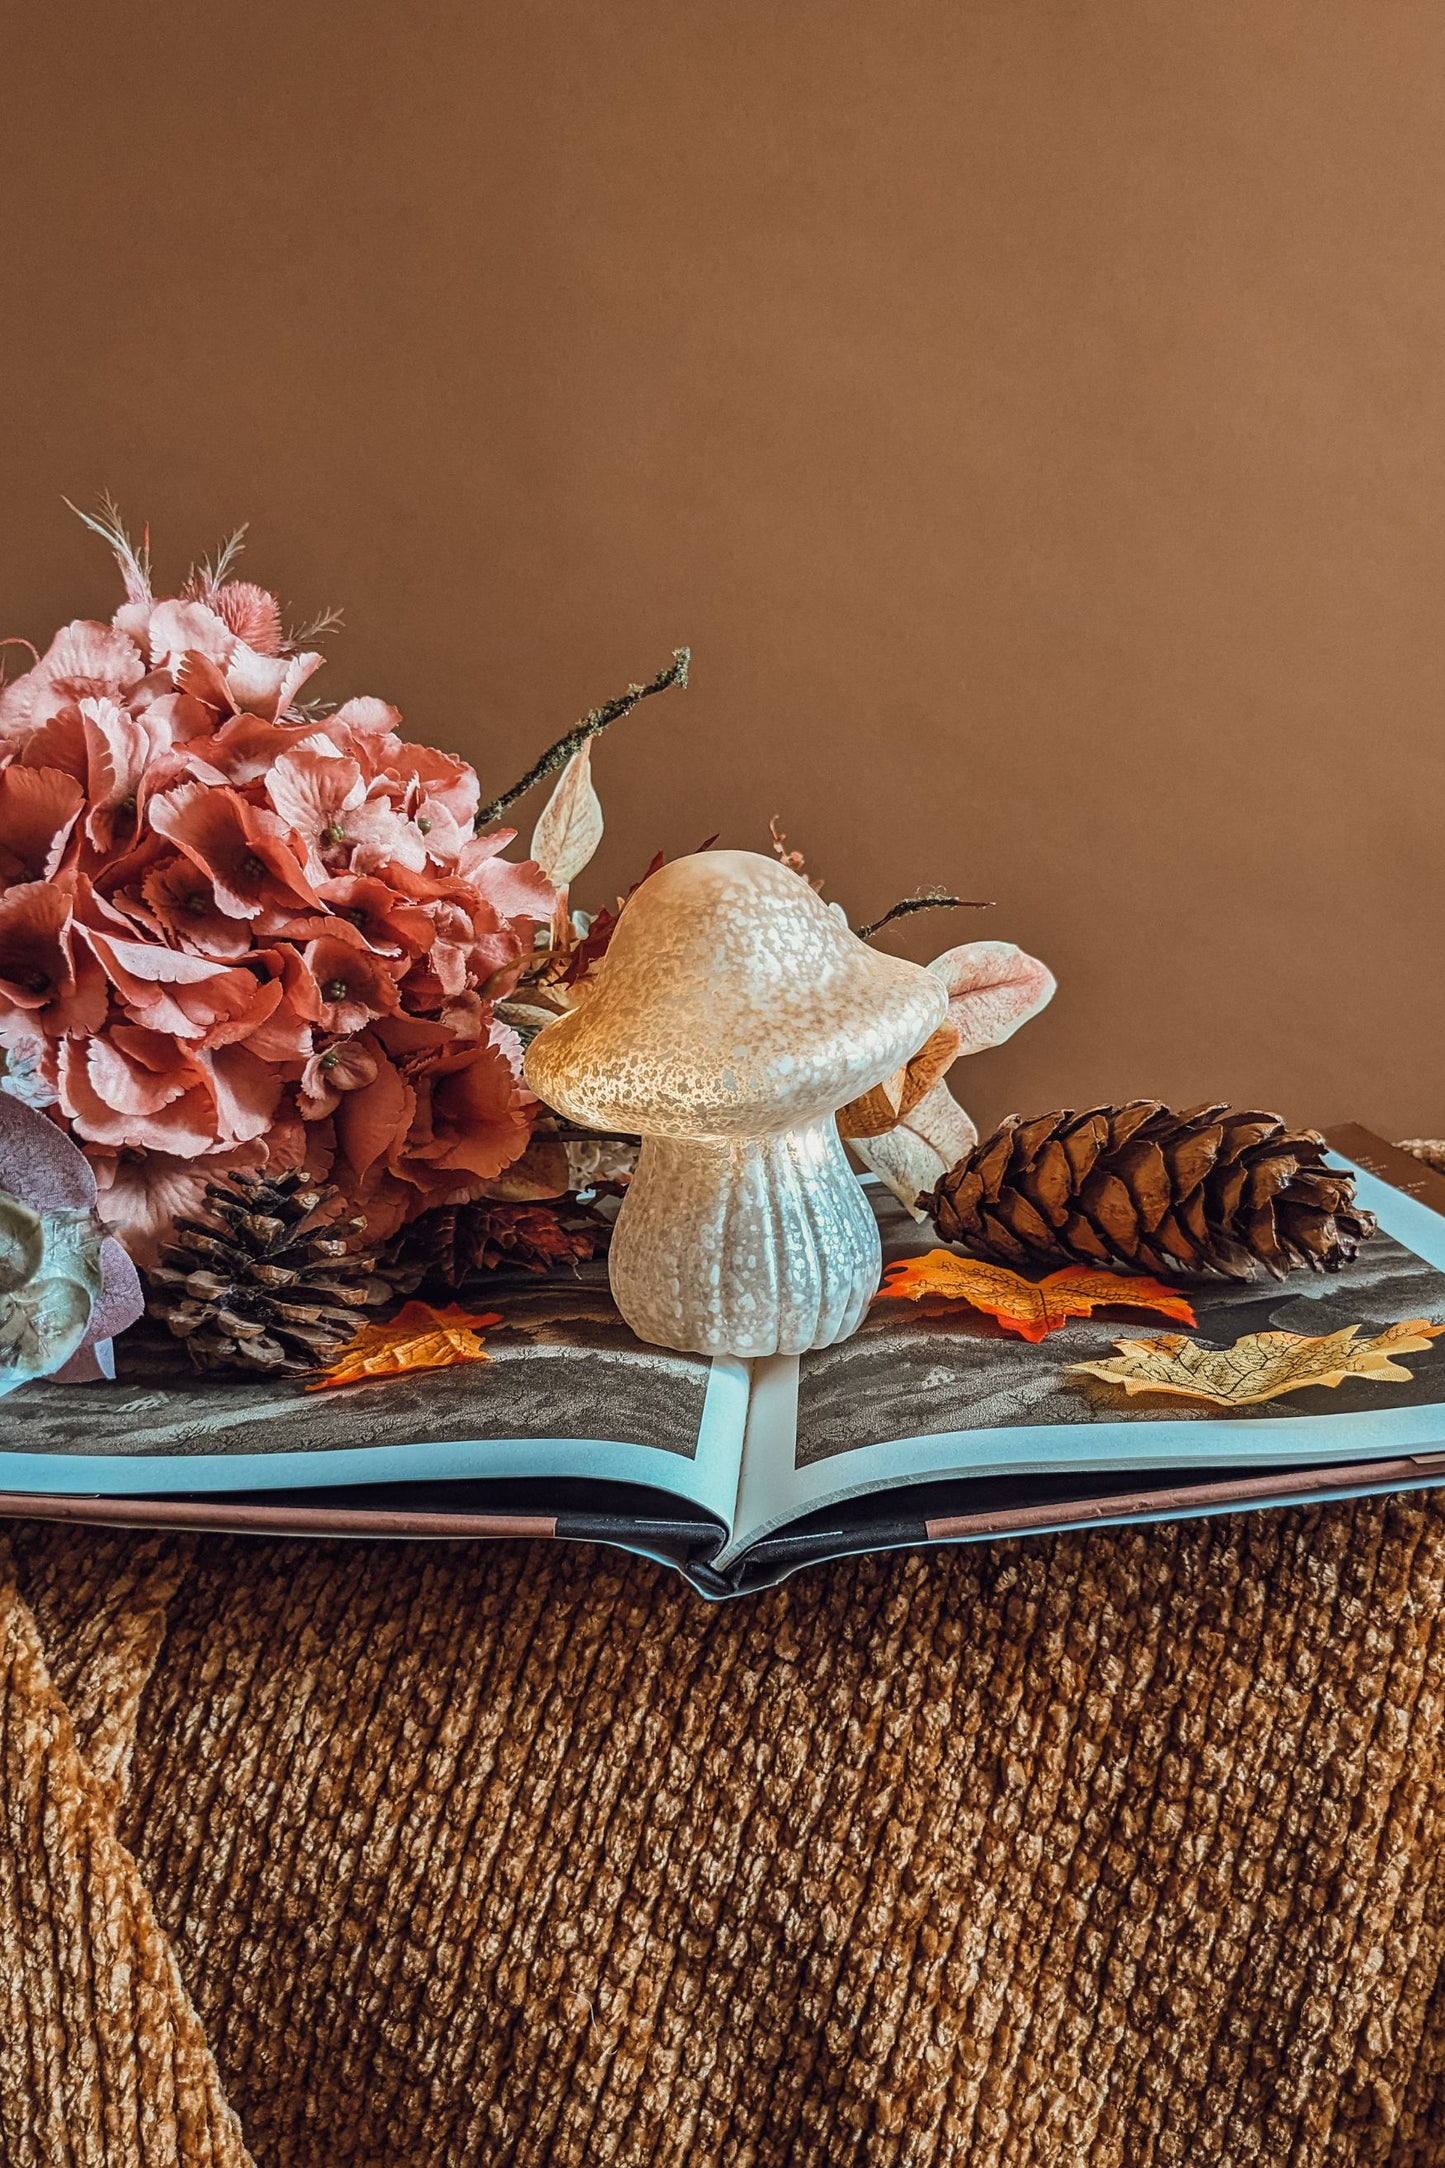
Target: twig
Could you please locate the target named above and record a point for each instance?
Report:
(18, 639)
(591, 726)
(910, 904)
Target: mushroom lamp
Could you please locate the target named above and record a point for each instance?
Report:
(731, 1016)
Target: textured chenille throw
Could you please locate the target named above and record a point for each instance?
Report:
(1115, 1848)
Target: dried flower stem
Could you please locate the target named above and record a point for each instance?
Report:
(315, 628)
(203, 579)
(135, 564)
(591, 726)
(910, 904)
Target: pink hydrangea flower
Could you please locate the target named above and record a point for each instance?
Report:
(235, 934)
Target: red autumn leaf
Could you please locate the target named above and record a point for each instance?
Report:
(417, 1338)
(1029, 1308)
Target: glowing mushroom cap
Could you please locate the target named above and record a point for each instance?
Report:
(731, 1002)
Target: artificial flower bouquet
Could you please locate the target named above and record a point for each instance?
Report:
(245, 932)
(240, 931)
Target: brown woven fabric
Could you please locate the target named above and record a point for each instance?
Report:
(99, 1605)
(1119, 1848)
(102, 2059)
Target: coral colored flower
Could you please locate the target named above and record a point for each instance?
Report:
(45, 973)
(142, 1194)
(231, 934)
(38, 809)
(115, 1095)
(285, 1035)
(512, 891)
(119, 747)
(267, 685)
(242, 847)
(444, 835)
(315, 792)
(133, 1086)
(179, 629)
(372, 1122)
(354, 984)
(84, 659)
(473, 1117)
(346, 1066)
(367, 732)
(438, 780)
(386, 921)
(207, 660)
(240, 751)
(199, 998)
(182, 903)
(382, 840)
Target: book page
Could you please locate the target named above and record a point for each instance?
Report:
(913, 1399)
(567, 1391)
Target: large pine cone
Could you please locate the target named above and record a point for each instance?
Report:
(1209, 1190)
(268, 1281)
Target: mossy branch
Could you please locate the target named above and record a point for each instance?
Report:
(910, 904)
(591, 726)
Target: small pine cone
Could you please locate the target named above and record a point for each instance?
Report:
(444, 1246)
(430, 1249)
(1208, 1190)
(531, 1237)
(267, 1280)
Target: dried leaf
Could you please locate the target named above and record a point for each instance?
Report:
(876, 1112)
(569, 827)
(1262, 1365)
(542, 1171)
(890, 1102)
(590, 950)
(915, 1156)
(417, 1338)
(1030, 1309)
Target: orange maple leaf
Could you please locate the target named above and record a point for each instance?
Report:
(1027, 1307)
(417, 1338)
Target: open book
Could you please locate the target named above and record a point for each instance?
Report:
(919, 1429)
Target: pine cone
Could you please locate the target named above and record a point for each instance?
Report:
(268, 1280)
(450, 1242)
(1209, 1190)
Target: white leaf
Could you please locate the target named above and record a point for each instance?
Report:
(570, 826)
(915, 1156)
(993, 987)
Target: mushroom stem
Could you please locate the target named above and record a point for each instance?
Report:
(745, 1245)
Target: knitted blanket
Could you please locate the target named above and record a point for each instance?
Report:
(1114, 1848)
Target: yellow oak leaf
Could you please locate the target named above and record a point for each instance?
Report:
(1030, 1308)
(417, 1338)
(1262, 1365)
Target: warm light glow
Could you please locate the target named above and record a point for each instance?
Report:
(733, 1014)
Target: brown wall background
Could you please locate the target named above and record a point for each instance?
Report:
(1030, 412)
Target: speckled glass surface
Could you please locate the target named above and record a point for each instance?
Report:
(733, 1014)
